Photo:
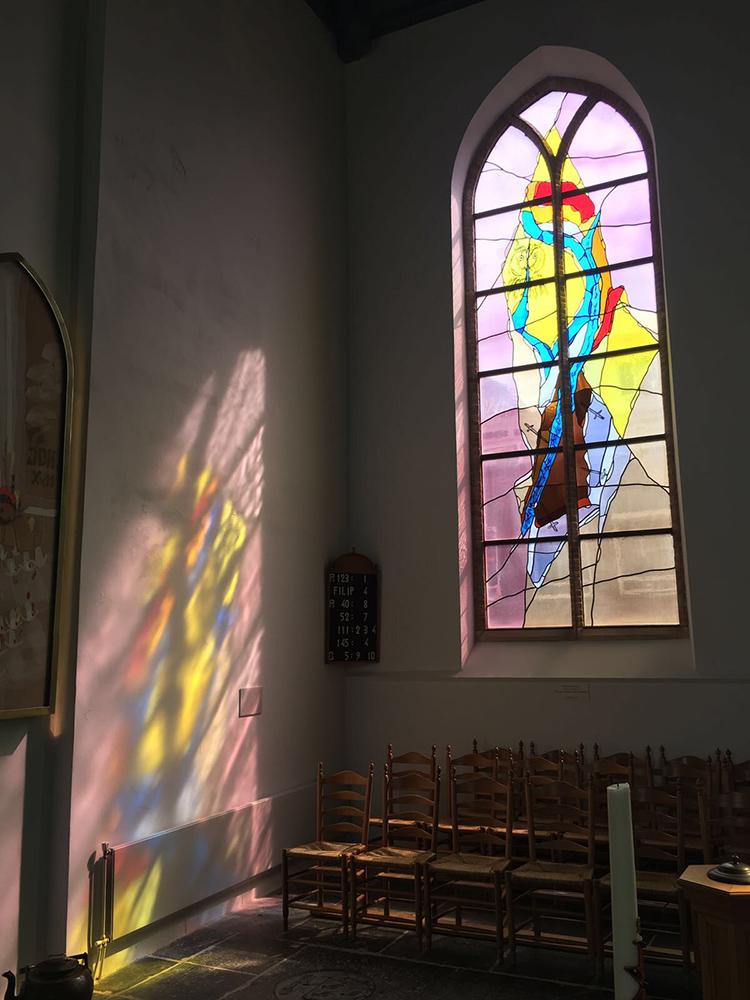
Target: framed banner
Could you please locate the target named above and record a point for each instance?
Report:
(35, 417)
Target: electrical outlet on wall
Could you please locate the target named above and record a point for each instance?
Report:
(251, 701)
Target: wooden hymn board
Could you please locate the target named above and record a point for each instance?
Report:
(352, 625)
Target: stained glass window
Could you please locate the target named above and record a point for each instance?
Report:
(575, 519)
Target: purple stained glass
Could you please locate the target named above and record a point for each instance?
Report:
(513, 601)
(495, 347)
(622, 215)
(611, 307)
(507, 172)
(606, 147)
(555, 109)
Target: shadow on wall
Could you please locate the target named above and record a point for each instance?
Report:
(158, 744)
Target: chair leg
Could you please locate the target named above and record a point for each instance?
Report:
(685, 931)
(418, 903)
(285, 889)
(344, 898)
(428, 907)
(588, 903)
(499, 914)
(353, 896)
(511, 917)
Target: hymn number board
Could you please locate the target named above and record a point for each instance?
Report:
(352, 632)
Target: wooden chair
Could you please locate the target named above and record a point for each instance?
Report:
(725, 825)
(504, 757)
(641, 768)
(468, 763)
(343, 816)
(690, 774)
(470, 877)
(570, 764)
(560, 868)
(660, 860)
(383, 875)
(734, 776)
(411, 762)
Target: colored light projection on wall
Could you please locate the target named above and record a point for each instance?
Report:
(569, 344)
(176, 631)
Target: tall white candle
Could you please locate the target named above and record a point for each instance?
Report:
(624, 895)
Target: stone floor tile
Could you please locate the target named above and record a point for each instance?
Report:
(244, 952)
(189, 982)
(129, 976)
(192, 943)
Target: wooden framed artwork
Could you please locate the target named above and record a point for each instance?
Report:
(35, 418)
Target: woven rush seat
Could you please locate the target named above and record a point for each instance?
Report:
(395, 856)
(651, 885)
(324, 849)
(553, 874)
(469, 864)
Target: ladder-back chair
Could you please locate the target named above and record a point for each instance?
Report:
(659, 845)
(341, 829)
(470, 877)
(391, 874)
(561, 824)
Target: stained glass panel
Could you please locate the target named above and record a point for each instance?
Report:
(605, 227)
(507, 172)
(584, 406)
(513, 601)
(509, 410)
(554, 110)
(606, 147)
(628, 489)
(629, 581)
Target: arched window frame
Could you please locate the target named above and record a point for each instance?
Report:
(578, 629)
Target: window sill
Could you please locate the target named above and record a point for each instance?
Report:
(630, 659)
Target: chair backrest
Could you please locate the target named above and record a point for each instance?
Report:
(734, 775)
(503, 755)
(689, 772)
(605, 769)
(658, 829)
(413, 762)
(470, 763)
(725, 824)
(561, 819)
(344, 801)
(549, 768)
(411, 804)
(482, 813)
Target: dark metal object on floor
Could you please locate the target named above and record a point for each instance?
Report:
(59, 977)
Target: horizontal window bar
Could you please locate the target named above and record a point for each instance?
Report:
(519, 453)
(601, 186)
(593, 537)
(617, 442)
(505, 542)
(638, 262)
(597, 355)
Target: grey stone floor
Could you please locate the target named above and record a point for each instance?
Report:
(247, 956)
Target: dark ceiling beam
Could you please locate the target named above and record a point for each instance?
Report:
(355, 24)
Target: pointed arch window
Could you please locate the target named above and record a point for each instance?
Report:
(574, 507)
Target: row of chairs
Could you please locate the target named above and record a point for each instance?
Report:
(515, 855)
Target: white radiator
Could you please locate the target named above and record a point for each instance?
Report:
(148, 880)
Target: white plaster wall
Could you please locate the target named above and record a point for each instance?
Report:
(216, 386)
(409, 104)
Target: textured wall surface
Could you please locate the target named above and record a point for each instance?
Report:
(215, 462)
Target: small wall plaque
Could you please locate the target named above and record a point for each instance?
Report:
(352, 602)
